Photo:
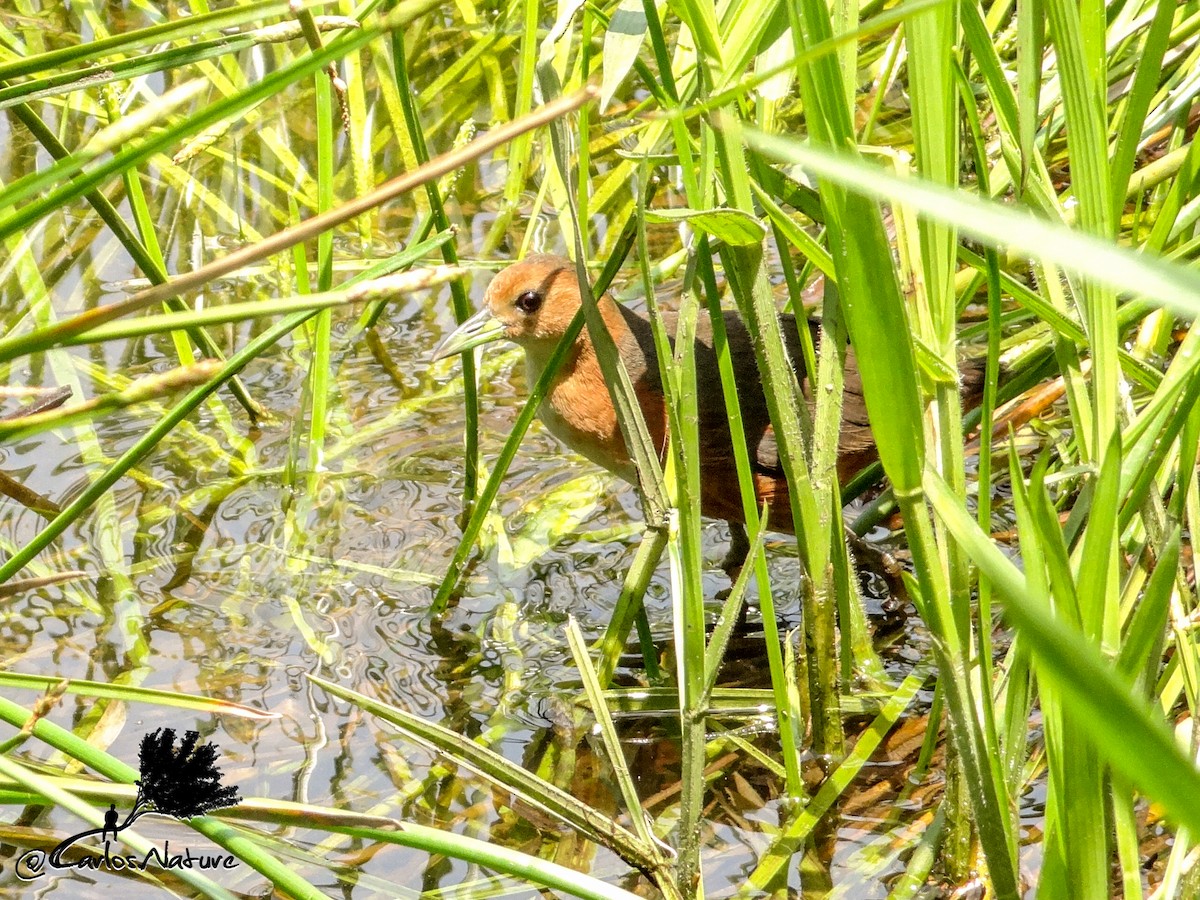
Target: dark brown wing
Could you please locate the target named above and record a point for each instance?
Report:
(721, 499)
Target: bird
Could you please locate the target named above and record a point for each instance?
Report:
(532, 304)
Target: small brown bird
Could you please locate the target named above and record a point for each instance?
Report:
(532, 304)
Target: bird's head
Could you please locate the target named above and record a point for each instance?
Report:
(530, 303)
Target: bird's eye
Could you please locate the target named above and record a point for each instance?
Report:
(529, 302)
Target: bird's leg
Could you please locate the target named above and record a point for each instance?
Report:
(739, 549)
(865, 555)
(733, 563)
(881, 563)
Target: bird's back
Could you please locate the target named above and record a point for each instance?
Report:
(721, 497)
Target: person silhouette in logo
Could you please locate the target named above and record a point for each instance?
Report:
(110, 822)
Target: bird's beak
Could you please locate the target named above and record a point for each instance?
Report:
(481, 328)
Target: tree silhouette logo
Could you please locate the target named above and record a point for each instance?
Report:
(180, 780)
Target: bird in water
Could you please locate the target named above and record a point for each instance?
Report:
(532, 304)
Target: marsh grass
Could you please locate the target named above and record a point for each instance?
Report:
(925, 159)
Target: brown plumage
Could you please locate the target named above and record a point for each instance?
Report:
(532, 304)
